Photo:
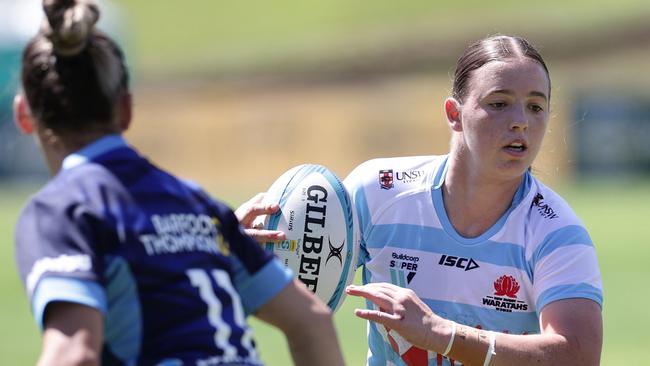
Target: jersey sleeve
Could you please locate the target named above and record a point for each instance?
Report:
(565, 266)
(258, 275)
(354, 184)
(57, 254)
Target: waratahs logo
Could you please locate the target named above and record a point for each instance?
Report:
(506, 286)
(505, 296)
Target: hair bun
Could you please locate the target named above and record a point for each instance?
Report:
(69, 24)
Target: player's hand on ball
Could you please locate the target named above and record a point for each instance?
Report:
(401, 310)
(250, 210)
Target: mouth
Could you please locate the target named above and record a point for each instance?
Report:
(516, 147)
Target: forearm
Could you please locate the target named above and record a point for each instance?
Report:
(308, 326)
(470, 346)
(316, 343)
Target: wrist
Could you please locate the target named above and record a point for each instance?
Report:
(444, 335)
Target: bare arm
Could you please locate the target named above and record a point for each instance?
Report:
(571, 330)
(73, 335)
(307, 324)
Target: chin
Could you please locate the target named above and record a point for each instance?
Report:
(513, 169)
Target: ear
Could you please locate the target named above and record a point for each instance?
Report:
(125, 111)
(22, 115)
(452, 110)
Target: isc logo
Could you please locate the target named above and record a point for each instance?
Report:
(459, 262)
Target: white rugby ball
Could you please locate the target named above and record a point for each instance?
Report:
(322, 241)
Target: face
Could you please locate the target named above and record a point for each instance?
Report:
(504, 117)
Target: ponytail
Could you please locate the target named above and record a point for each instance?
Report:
(72, 74)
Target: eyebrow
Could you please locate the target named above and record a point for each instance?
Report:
(510, 92)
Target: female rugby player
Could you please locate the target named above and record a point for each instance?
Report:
(124, 263)
(467, 257)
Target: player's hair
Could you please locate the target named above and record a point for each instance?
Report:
(72, 74)
(494, 48)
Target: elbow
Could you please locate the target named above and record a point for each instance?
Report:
(583, 353)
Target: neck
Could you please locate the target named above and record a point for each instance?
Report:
(57, 147)
(474, 202)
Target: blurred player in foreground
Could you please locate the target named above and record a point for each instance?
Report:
(123, 263)
(467, 257)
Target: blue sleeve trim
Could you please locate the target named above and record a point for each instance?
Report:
(258, 289)
(579, 290)
(360, 204)
(84, 292)
(566, 236)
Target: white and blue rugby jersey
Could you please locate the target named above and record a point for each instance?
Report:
(169, 268)
(537, 252)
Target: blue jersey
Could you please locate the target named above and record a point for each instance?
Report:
(538, 252)
(170, 269)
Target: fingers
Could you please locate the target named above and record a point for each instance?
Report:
(380, 296)
(251, 209)
(264, 236)
(260, 208)
(377, 316)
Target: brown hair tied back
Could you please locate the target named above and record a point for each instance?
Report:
(72, 74)
(69, 24)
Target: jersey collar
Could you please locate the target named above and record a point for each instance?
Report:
(438, 203)
(93, 150)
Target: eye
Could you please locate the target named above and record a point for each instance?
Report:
(536, 108)
(498, 105)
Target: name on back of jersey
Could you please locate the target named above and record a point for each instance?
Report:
(183, 232)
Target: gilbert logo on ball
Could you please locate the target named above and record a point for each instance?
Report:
(317, 216)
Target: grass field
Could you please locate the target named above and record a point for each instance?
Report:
(616, 216)
(207, 36)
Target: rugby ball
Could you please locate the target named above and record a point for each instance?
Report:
(322, 243)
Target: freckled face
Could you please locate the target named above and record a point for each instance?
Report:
(504, 117)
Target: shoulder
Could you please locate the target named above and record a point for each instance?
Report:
(552, 223)
(72, 188)
(399, 173)
(548, 209)
(221, 209)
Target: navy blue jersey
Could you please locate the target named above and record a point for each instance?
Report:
(170, 269)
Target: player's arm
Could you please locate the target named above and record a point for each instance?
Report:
(73, 335)
(571, 330)
(307, 324)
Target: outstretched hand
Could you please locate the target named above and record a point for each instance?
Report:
(250, 210)
(401, 310)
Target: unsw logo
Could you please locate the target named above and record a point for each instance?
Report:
(545, 210)
(386, 177)
(467, 264)
(402, 269)
(505, 295)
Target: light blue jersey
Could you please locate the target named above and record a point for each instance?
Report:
(536, 253)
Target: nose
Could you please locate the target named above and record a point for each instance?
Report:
(519, 118)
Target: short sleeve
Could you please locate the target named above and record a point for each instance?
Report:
(565, 266)
(57, 238)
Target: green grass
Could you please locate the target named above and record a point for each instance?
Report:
(207, 35)
(616, 216)
(618, 221)
(19, 337)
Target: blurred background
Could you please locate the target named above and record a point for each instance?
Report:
(232, 94)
